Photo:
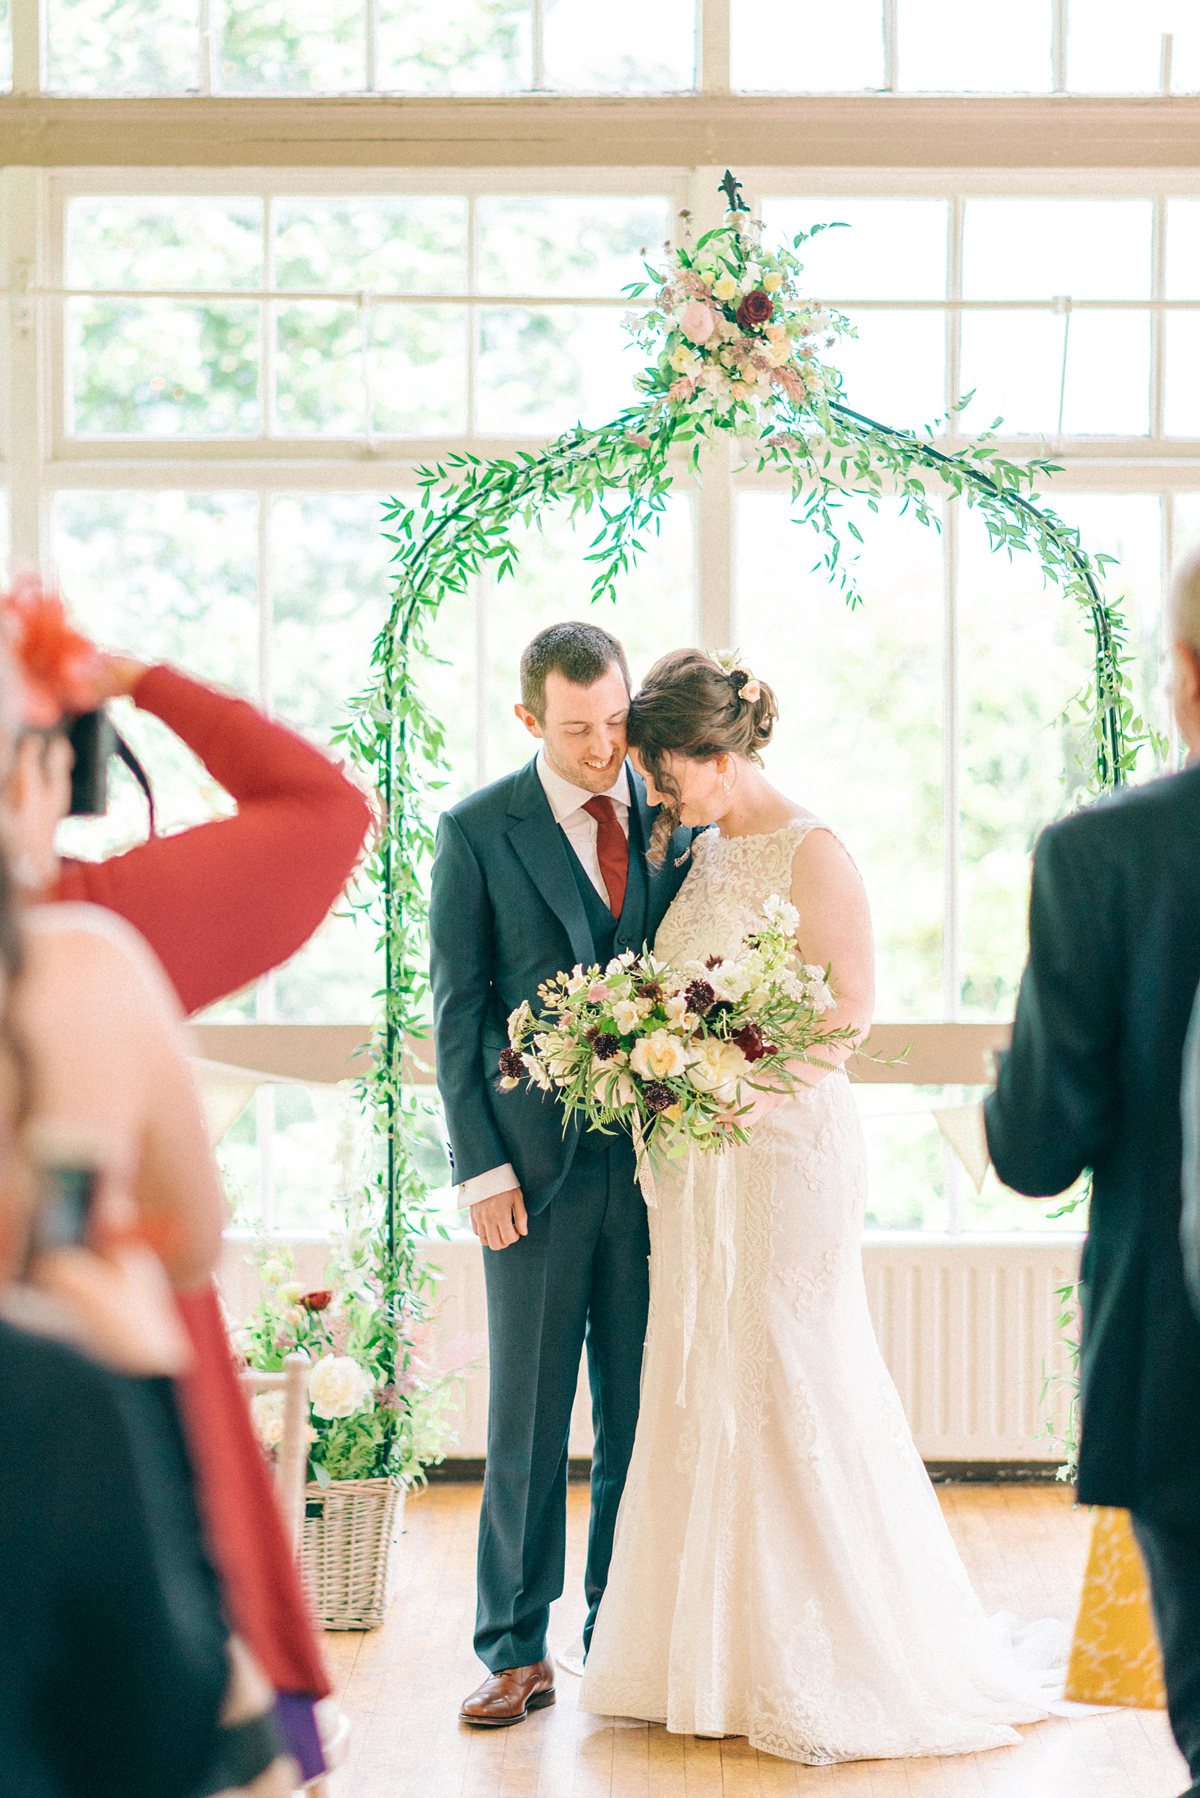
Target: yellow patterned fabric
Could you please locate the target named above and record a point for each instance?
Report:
(1115, 1657)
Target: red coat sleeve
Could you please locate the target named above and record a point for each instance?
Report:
(222, 903)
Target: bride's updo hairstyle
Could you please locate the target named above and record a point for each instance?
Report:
(688, 705)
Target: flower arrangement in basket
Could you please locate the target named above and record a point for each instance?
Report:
(669, 1053)
(379, 1403)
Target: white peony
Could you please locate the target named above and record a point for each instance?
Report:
(266, 1414)
(339, 1386)
(716, 1068)
(659, 1056)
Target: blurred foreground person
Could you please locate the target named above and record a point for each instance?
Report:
(1093, 1081)
(118, 1676)
(220, 904)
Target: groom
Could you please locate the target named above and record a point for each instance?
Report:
(543, 869)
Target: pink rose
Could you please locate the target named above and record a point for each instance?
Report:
(697, 322)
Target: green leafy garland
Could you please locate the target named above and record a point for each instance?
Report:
(621, 474)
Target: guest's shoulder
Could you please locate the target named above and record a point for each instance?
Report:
(1130, 815)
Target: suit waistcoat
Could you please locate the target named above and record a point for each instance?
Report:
(612, 935)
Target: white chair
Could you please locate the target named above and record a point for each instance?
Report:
(291, 1463)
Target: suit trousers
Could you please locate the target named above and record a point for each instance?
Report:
(1172, 1558)
(580, 1275)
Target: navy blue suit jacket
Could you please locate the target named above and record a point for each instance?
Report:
(1093, 1080)
(505, 915)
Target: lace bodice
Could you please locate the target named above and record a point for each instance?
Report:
(723, 895)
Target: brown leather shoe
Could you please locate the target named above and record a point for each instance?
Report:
(507, 1697)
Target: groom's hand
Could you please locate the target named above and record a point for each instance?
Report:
(499, 1221)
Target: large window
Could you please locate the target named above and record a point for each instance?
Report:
(228, 372)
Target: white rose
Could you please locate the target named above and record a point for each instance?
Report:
(339, 1386)
(725, 288)
(716, 1068)
(266, 1414)
(626, 1016)
(772, 283)
(659, 1056)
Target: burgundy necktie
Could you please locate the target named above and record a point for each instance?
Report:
(612, 848)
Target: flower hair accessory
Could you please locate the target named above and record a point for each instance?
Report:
(737, 674)
(55, 663)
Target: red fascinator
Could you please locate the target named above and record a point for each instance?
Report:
(55, 664)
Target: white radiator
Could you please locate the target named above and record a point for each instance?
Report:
(966, 1324)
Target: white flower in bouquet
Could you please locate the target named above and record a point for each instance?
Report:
(716, 1068)
(339, 1386)
(678, 1015)
(659, 1056)
(613, 1086)
(782, 915)
(520, 1021)
(817, 989)
(266, 1414)
(627, 1016)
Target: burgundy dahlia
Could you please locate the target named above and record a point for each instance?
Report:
(512, 1064)
(606, 1045)
(658, 1095)
(700, 997)
(751, 1042)
(756, 309)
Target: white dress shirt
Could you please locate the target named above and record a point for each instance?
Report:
(581, 831)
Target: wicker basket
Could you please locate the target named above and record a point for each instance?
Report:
(351, 1531)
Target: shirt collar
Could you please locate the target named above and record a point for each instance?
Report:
(565, 797)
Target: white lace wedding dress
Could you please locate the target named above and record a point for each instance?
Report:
(782, 1570)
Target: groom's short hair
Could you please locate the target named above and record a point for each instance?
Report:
(581, 653)
(1185, 600)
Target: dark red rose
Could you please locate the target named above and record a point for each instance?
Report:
(512, 1064)
(317, 1300)
(756, 309)
(699, 996)
(658, 1095)
(606, 1046)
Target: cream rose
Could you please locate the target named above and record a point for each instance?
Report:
(716, 1068)
(659, 1056)
(339, 1386)
(725, 288)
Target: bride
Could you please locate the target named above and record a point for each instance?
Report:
(782, 1570)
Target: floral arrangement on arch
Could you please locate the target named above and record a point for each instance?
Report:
(366, 1419)
(731, 334)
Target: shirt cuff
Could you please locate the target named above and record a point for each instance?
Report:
(486, 1186)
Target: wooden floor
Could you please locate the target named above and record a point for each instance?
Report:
(401, 1686)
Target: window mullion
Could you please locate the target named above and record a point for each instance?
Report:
(891, 52)
(1158, 320)
(1058, 47)
(24, 433)
(713, 46)
(26, 47)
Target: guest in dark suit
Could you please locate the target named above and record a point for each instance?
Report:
(543, 869)
(1093, 1080)
(1190, 1104)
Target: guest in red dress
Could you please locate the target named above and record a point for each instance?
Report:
(220, 904)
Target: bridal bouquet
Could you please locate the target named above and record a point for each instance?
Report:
(669, 1053)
